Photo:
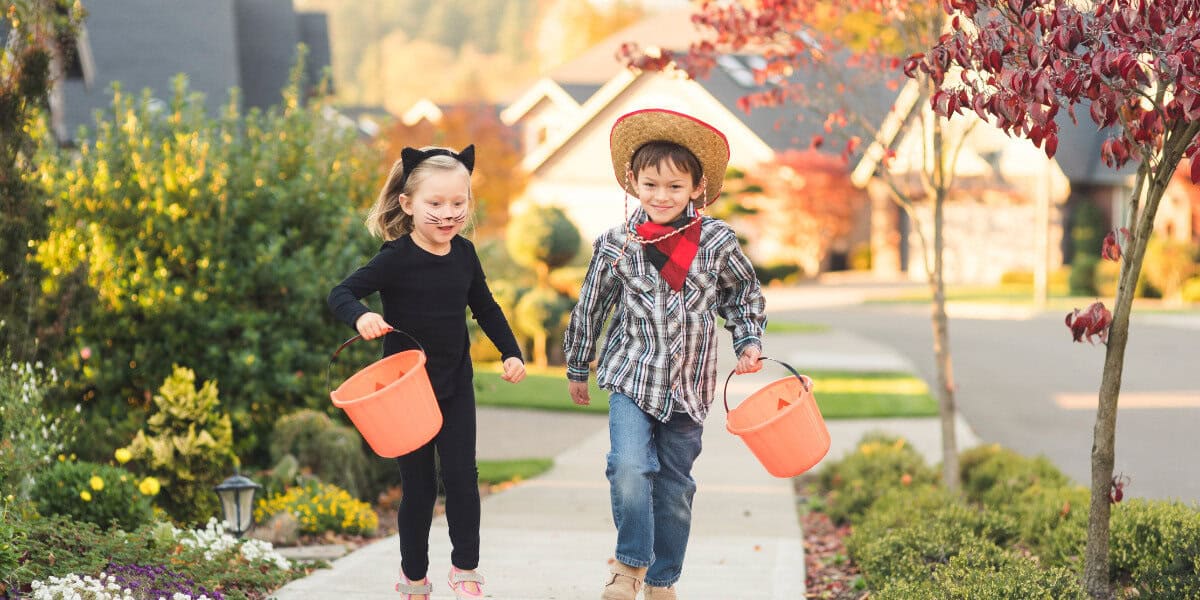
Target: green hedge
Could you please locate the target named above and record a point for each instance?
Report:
(1155, 547)
(880, 463)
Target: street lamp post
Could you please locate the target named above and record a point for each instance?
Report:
(237, 503)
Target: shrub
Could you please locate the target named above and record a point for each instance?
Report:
(1082, 281)
(329, 451)
(93, 493)
(321, 507)
(209, 558)
(189, 446)
(221, 259)
(912, 551)
(1155, 546)
(1052, 522)
(781, 272)
(1168, 264)
(879, 464)
(32, 433)
(542, 238)
(993, 475)
(1191, 290)
(980, 573)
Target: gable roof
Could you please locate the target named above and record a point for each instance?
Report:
(672, 29)
(1078, 153)
(543, 89)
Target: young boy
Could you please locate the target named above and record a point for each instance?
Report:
(668, 271)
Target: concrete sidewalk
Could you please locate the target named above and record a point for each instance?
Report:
(550, 538)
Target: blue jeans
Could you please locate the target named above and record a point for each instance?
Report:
(650, 478)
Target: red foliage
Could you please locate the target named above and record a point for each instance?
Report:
(1118, 489)
(1092, 321)
(1022, 61)
(1111, 250)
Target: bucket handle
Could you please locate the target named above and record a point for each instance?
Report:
(391, 329)
(804, 382)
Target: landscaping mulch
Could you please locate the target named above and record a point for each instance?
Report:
(829, 572)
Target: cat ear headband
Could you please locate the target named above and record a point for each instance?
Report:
(411, 157)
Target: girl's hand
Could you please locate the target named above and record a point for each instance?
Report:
(514, 370)
(371, 325)
(579, 392)
(749, 361)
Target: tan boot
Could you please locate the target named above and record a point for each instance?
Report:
(660, 593)
(624, 582)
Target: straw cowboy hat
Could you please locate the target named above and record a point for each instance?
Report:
(633, 130)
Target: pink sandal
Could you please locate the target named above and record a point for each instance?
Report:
(408, 589)
(457, 580)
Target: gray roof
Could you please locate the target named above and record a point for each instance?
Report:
(1078, 153)
(267, 33)
(217, 44)
(580, 92)
(792, 126)
(314, 32)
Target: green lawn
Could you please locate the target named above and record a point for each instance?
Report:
(543, 389)
(856, 395)
(840, 394)
(774, 326)
(500, 471)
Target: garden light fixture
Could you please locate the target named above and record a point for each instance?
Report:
(237, 503)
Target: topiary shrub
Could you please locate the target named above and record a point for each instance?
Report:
(1155, 548)
(327, 450)
(189, 446)
(93, 493)
(542, 238)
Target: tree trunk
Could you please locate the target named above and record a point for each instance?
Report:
(1096, 564)
(941, 324)
(539, 349)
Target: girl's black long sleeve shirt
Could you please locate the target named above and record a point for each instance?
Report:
(426, 295)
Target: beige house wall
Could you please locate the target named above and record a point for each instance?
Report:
(579, 178)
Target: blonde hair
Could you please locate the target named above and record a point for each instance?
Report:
(387, 218)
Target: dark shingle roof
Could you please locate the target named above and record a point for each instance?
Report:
(267, 33)
(314, 32)
(1078, 153)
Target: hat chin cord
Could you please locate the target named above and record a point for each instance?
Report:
(632, 232)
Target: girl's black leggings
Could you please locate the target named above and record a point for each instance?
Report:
(455, 446)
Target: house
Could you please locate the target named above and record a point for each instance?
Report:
(1011, 209)
(565, 117)
(216, 44)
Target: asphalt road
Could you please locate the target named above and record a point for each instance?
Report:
(1023, 383)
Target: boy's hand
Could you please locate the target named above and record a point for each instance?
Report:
(749, 361)
(371, 325)
(579, 392)
(514, 370)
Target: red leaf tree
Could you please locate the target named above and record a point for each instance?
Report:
(853, 50)
(1128, 65)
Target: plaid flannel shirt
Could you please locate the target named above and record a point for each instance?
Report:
(661, 346)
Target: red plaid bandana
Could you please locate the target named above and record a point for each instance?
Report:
(672, 256)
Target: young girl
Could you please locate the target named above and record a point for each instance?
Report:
(427, 276)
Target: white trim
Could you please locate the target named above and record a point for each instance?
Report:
(545, 88)
(424, 109)
(906, 100)
(588, 111)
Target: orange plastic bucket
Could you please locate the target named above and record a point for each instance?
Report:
(391, 401)
(781, 424)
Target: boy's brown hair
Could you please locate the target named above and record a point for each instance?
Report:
(654, 154)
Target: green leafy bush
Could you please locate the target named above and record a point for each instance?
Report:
(1082, 281)
(1155, 547)
(212, 242)
(879, 464)
(189, 447)
(32, 432)
(1169, 264)
(993, 475)
(979, 572)
(92, 493)
(1052, 523)
(327, 450)
(321, 507)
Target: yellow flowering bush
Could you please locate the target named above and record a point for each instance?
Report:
(321, 507)
(91, 492)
